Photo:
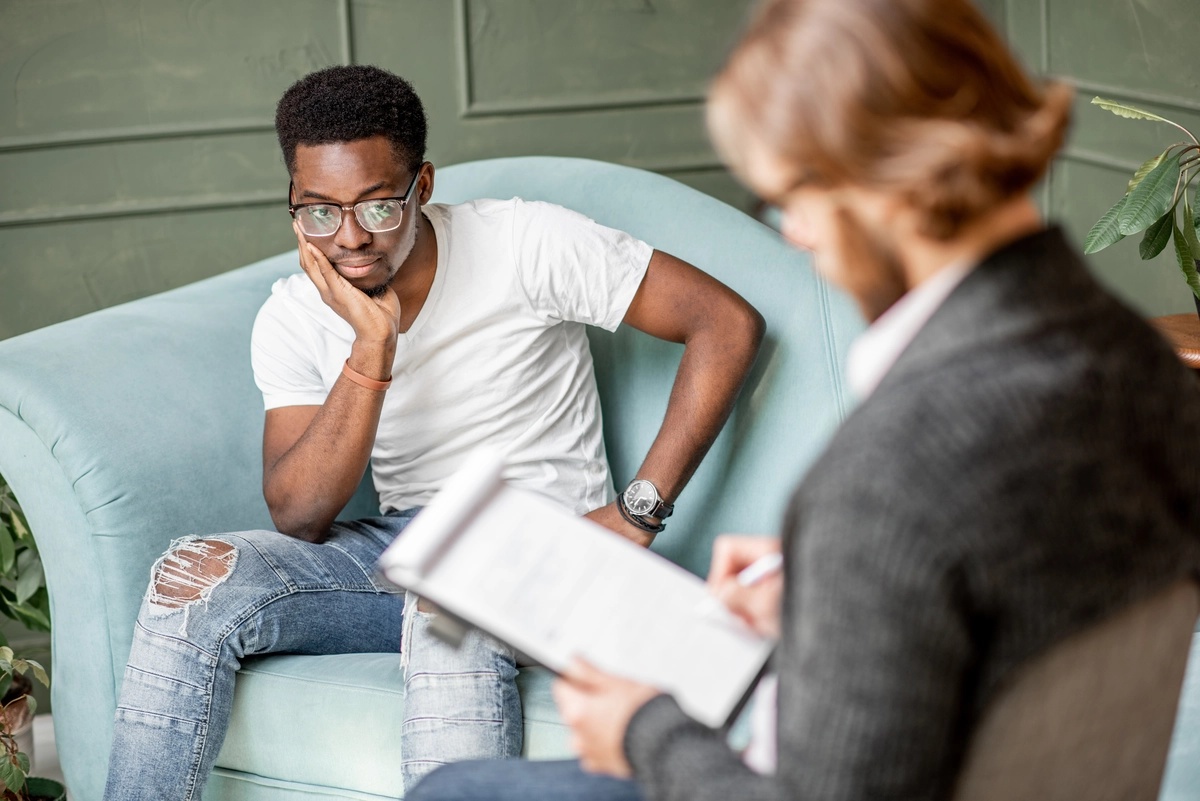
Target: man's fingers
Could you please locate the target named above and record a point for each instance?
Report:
(758, 605)
(389, 301)
(309, 264)
(722, 566)
(584, 674)
(331, 281)
(733, 552)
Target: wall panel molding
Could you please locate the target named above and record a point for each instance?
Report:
(1098, 159)
(472, 107)
(136, 133)
(143, 208)
(346, 21)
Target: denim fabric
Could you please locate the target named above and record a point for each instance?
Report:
(459, 703)
(521, 780)
(284, 595)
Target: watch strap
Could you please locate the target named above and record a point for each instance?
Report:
(636, 520)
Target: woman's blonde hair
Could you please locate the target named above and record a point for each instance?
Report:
(915, 97)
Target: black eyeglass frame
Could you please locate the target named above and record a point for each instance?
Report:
(295, 207)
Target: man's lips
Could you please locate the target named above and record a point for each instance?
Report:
(355, 268)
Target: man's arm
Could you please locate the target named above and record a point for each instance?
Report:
(721, 334)
(315, 456)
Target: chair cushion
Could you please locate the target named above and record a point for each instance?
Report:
(334, 722)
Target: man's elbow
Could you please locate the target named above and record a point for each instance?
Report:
(745, 325)
(309, 532)
(289, 522)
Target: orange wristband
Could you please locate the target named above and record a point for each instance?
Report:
(362, 380)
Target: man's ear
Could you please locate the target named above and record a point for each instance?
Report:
(425, 183)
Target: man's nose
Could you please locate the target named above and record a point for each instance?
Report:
(350, 235)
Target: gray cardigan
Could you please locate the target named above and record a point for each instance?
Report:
(1030, 465)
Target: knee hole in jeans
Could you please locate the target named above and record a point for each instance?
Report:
(189, 571)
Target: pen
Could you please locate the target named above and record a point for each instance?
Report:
(759, 569)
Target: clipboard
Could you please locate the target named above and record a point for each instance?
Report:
(554, 585)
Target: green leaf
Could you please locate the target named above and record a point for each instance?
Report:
(19, 526)
(10, 775)
(6, 654)
(1196, 204)
(1151, 199)
(1127, 111)
(1187, 262)
(8, 550)
(1106, 231)
(1157, 236)
(14, 767)
(1193, 241)
(40, 604)
(31, 702)
(30, 576)
(39, 672)
(30, 617)
(1145, 169)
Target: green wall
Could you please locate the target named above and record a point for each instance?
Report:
(137, 154)
(1141, 52)
(136, 144)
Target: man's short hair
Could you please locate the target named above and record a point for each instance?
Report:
(920, 98)
(349, 103)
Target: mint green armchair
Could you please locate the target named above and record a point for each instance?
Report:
(124, 429)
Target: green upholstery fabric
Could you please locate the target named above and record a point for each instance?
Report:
(345, 701)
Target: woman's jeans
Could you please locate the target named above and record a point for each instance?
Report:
(276, 594)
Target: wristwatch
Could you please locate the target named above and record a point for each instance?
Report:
(641, 500)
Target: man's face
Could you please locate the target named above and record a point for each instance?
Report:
(343, 173)
(848, 232)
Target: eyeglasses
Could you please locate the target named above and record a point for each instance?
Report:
(376, 215)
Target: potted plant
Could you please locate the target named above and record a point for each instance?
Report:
(14, 763)
(22, 598)
(1156, 202)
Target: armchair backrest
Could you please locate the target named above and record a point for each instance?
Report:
(1092, 718)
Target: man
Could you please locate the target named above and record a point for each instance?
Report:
(415, 333)
(1021, 465)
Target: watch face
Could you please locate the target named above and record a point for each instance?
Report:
(641, 497)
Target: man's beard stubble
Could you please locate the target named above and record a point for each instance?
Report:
(380, 289)
(873, 269)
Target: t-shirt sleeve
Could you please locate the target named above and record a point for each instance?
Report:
(285, 369)
(573, 268)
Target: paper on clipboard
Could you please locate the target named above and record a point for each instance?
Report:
(554, 586)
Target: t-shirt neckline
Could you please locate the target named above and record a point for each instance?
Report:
(439, 274)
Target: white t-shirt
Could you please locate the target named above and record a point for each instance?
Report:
(498, 354)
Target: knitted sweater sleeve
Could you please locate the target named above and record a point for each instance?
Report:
(871, 666)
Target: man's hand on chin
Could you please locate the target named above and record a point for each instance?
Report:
(610, 517)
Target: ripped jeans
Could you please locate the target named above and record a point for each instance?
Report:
(214, 601)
